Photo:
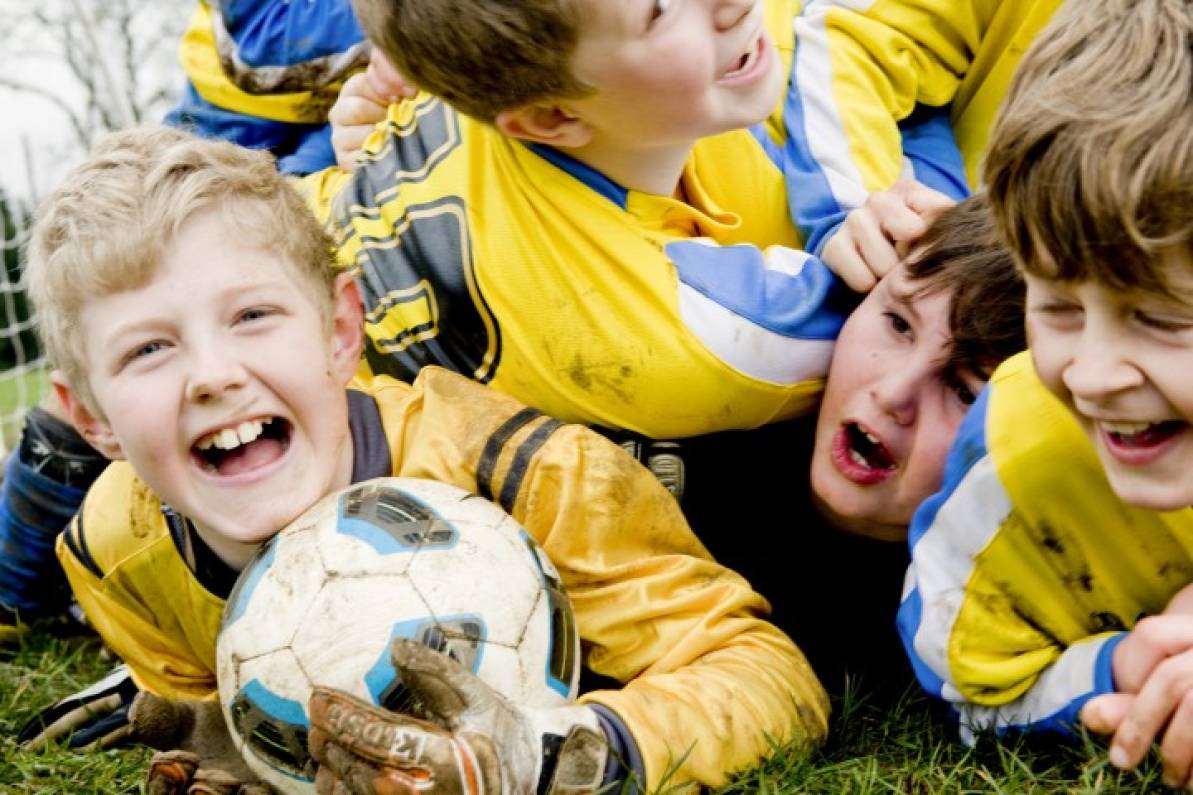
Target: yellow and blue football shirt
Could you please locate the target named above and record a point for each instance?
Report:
(1027, 569)
(530, 271)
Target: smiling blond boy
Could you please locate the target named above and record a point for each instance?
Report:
(201, 334)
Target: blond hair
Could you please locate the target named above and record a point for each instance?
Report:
(108, 225)
(1090, 167)
(480, 56)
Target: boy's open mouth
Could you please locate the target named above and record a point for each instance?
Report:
(861, 456)
(866, 450)
(249, 445)
(746, 61)
(1142, 434)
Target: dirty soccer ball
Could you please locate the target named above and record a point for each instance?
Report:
(384, 559)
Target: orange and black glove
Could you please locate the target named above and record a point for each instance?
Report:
(462, 738)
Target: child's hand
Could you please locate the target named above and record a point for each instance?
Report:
(1153, 671)
(362, 104)
(875, 236)
(468, 739)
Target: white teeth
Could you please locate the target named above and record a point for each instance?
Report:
(231, 438)
(1125, 428)
(871, 438)
(857, 458)
(248, 431)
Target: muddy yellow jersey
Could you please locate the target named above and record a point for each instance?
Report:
(1027, 569)
(708, 679)
(525, 269)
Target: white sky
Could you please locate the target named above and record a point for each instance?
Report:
(37, 144)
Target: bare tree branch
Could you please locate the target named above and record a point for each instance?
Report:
(82, 134)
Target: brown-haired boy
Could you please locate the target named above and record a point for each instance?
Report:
(202, 335)
(588, 210)
(1044, 574)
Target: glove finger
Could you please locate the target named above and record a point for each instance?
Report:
(443, 688)
(111, 732)
(326, 783)
(372, 750)
(170, 772)
(212, 781)
(347, 772)
(367, 730)
(74, 714)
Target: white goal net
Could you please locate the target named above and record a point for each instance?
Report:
(22, 366)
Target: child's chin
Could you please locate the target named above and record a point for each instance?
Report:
(1150, 493)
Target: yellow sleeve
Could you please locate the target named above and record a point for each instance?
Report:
(104, 557)
(707, 675)
(863, 67)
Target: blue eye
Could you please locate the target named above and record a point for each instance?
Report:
(256, 313)
(147, 349)
(142, 351)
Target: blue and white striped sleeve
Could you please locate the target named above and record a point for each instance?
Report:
(948, 535)
(772, 314)
(865, 107)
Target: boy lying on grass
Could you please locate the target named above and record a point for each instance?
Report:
(187, 297)
(1049, 576)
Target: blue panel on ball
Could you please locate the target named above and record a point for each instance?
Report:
(561, 639)
(274, 728)
(392, 521)
(465, 645)
(246, 584)
(280, 708)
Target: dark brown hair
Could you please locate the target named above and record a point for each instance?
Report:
(961, 253)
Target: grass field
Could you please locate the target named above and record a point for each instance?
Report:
(899, 747)
(18, 393)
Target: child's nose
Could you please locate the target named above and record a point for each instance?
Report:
(897, 394)
(211, 377)
(1099, 368)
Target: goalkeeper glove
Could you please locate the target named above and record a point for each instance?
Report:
(466, 739)
(95, 717)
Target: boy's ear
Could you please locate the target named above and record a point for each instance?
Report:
(347, 327)
(544, 124)
(97, 432)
